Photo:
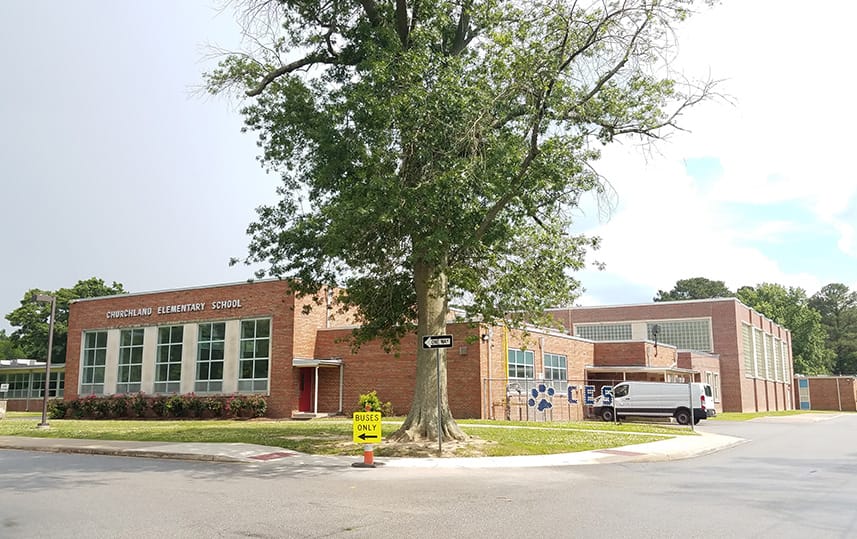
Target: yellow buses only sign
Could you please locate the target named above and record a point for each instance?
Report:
(367, 427)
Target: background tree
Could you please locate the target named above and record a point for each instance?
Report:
(8, 350)
(32, 319)
(432, 150)
(790, 308)
(695, 288)
(838, 308)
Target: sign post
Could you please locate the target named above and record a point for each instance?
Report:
(367, 431)
(437, 342)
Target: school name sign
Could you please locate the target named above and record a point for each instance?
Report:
(175, 309)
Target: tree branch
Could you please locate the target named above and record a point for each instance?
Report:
(402, 22)
(371, 10)
(463, 36)
(315, 58)
(619, 65)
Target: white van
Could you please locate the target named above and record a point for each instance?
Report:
(658, 399)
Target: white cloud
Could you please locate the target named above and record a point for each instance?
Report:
(785, 141)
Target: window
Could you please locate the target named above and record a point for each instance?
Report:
(785, 355)
(620, 391)
(209, 357)
(803, 394)
(168, 362)
(749, 363)
(130, 361)
(778, 360)
(683, 334)
(255, 354)
(521, 364)
(769, 357)
(555, 367)
(94, 361)
(31, 385)
(759, 348)
(604, 332)
(56, 388)
(19, 385)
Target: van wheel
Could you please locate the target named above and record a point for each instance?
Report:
(607, 414)
(682, 417)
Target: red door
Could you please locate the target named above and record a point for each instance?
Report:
(306, 378)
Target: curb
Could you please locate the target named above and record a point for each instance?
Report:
(114, 452)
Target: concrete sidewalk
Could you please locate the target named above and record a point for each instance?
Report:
(679, 447)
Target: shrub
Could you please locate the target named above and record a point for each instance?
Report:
(57, 409)
(138, 405)
(117, 405)
(174, 406)
(194, 405)
(234, 405)
(255, 405)
(214, 405)
(76, 407)
(375, 405)
(159, 406)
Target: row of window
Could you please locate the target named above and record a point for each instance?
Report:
(31, 385)
(688, 334)
(521, 365)
(253, 358)
(765, 356)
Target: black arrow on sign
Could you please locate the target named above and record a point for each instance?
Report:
(364, 436)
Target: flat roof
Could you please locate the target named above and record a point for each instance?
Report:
(181, 289)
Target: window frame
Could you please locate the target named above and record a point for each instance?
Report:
(525, 365)
(210, 384)
(129, 368)
(174, 351)
(248, 348)
(93, 366)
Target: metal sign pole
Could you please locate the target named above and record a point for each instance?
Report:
(690, 392)
(439, 417)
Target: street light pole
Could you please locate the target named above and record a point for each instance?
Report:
(44, 298)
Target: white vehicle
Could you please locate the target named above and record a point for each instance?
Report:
(658, 399)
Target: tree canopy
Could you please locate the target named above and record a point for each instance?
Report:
(32, 318)
(432, 149)
(8, 349)
(790, 308)
(695, 288)
(837, 306)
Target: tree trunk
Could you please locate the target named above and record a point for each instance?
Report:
(432, 305)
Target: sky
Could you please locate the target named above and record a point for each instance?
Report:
(112, 164)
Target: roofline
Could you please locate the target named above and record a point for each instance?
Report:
(648, 304)
(657, 303)
(182, 289)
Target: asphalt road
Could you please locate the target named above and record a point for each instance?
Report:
(793, 478)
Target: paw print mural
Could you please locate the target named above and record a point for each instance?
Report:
(541, 397)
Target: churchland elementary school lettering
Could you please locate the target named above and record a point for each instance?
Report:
(173, 309)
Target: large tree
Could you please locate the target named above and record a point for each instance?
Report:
(838, 308)
(434, 149)
(790, 308)
(32, 319)
(8, 350)
(695, 288)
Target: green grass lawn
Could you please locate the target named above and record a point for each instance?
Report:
(334, 436)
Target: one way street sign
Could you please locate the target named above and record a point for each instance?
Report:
(437, 341)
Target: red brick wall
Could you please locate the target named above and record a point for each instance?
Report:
(393, 375)
(739, 393)
(634, 353)
(825, 395)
